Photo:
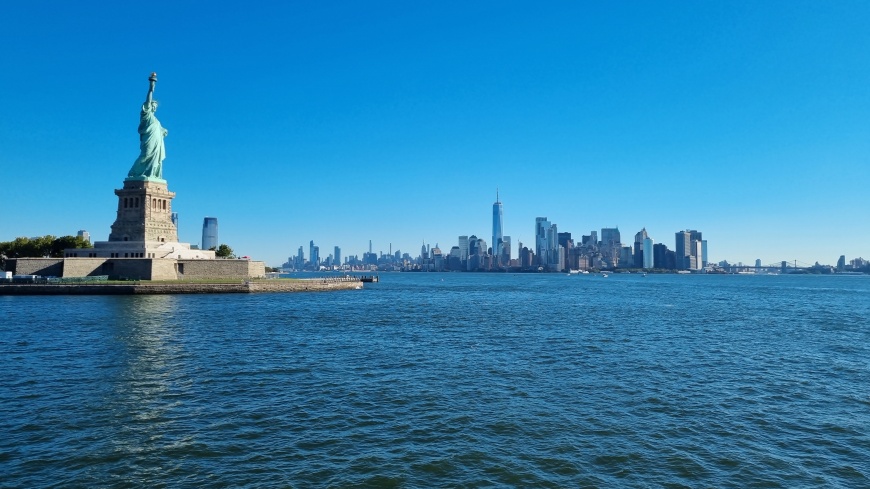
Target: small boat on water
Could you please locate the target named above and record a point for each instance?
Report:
(578, 272)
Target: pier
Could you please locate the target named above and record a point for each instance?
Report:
(172, 287)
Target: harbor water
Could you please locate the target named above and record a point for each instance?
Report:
(445, 380)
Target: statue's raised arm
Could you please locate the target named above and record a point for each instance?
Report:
(149, 165)
(150, 97)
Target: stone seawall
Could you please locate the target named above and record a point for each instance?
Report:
(139, 268)
(52, 267)
(313, 285)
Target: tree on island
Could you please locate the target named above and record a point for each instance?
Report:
(223, 251)
(45, 246)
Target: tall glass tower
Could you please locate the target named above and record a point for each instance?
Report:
(209, 233)
(648, 255)
(497, 233)
(542, 248)
(463, 248)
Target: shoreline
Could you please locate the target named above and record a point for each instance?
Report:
(248, 287)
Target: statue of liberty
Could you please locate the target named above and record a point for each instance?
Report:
(149, 164)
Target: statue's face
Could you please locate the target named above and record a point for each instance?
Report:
(154, 106)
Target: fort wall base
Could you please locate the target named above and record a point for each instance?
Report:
(242, 287)
(138, 268)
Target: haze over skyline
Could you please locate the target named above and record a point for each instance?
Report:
(343, 123)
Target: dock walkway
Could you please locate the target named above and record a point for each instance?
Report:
(144, 287)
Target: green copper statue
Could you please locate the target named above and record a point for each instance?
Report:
(149, 165)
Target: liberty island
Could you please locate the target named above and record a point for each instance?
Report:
(143, 244)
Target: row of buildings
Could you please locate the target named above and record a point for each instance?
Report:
(553, 251)
(556, 251)
(368, 260)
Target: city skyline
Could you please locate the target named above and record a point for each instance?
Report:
(344, 123)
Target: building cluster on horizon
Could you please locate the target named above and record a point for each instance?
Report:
(369, 260)
(853, 264)
(553, 251)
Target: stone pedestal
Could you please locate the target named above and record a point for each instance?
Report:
(144, 213)
(143, 227)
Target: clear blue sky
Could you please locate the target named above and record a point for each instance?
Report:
(395, 122)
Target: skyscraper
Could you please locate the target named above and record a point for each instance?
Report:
(689, 255)
(697, 254)
(299, 262)
(626, 257)
(542, 225)
(611, 242)
(86, 236)
(472, 245)
(698, 245)
(703, 252)
(639, 258)
(337, 256)
(660, 255)
(463, 248)
(565, 240)
(648, 256)
(497, 233)
(610, 237)
(209, 233)
(546, 243)
(315, 257)
(553, 240)
(682, 247)
(311, 253)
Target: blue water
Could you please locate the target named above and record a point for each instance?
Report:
(445, 380)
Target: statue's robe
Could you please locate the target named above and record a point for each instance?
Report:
(152, 152)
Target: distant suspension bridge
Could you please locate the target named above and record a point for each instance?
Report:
(781, 267)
